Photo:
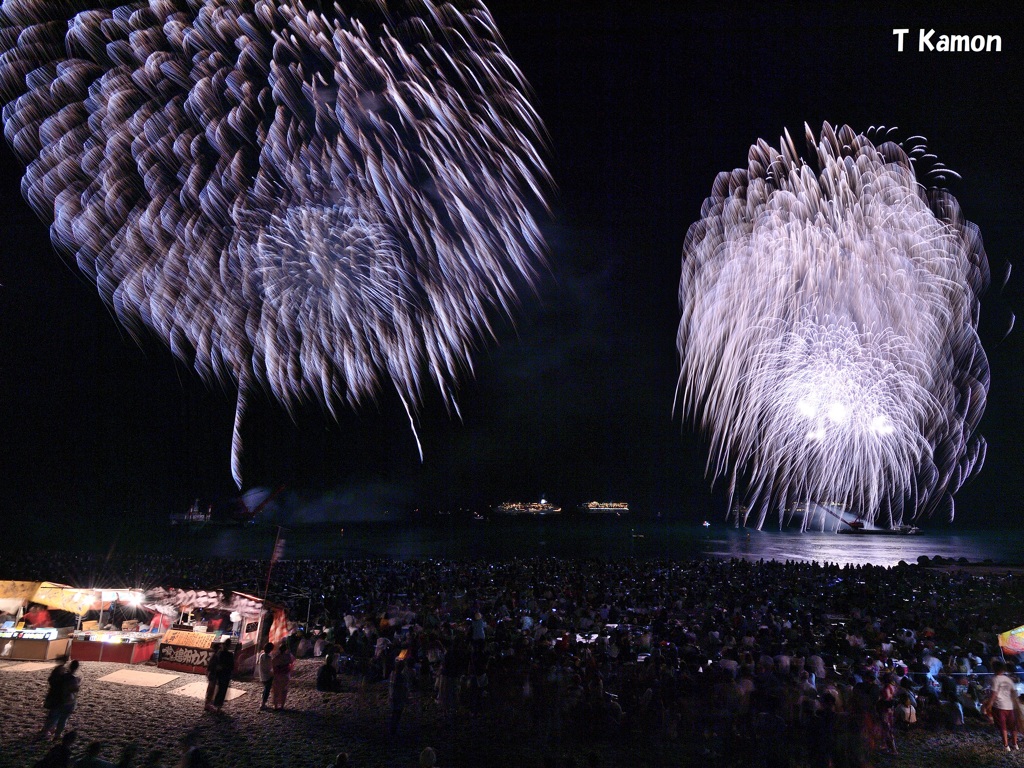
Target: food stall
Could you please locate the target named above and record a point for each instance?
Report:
(40, 642)
(95, 641)
(206, 617)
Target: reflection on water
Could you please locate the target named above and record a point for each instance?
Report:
(855, 549)
(498, 539)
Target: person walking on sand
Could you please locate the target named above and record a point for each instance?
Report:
(1000, 704)
(283, 664)
(265, 672)
(54, 694)
(69, 685)
(211, 677)
(225, 669)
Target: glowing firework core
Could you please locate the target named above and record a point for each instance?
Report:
(828, 336)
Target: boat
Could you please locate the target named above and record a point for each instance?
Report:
(899, 530)
(194, 519)
(534, 508)
(605, 508)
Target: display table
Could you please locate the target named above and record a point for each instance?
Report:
(120, 647)
(185, 651)
(33, 644)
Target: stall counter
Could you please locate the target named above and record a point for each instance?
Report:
(119, 647)
(33, 644)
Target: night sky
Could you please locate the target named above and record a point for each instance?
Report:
(644, 104)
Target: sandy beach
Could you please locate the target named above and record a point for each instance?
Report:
(315, 726)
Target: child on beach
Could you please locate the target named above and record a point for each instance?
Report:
(265, 672)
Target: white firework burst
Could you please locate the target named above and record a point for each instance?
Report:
(315, 203)
(828, 339)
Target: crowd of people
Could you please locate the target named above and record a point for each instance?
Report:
(752, 660)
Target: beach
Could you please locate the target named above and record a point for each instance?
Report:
(315, 726)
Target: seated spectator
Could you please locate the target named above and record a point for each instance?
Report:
(92, 759)
(327, 678)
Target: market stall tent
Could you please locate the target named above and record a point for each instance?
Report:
(187, 647)
(39, 643)
(124, 644)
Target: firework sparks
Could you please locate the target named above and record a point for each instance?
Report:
(828, 339)
(313, 204)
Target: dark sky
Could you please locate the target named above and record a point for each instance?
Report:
(645, 104)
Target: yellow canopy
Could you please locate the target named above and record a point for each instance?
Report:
(18, 590)
(65, 598)
(50, 594)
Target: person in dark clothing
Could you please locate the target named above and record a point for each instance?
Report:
(327, 677)
(92, 759)
(59, 756)
(69, 685)
(225, 668)
(211, 678)
(54, 696)
(398, 694)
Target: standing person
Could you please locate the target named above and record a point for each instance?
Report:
(52, 701)
(70, 683)
(886, 705)
(398, 694)
(478, 633)
(265, 672)
(1001, 704)
(211, 677)
(283, 664)
(225, 669)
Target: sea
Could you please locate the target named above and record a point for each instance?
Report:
(503, 538)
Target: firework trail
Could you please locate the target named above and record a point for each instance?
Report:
(828, 338)
(310, 204)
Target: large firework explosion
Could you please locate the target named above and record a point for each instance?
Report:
(315, 204)
(828, 338)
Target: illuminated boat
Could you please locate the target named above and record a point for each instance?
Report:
(899, 530)
(538, 509)
(194, 519)
(605, 508)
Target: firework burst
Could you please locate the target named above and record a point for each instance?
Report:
(315, 204)
(828, 339)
